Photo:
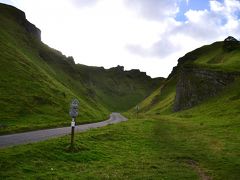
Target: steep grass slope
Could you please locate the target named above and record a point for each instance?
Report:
(31, 95)
(37, 82)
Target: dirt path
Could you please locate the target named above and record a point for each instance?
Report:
(41, 135)
(198, 169)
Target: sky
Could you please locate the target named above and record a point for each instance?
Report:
(149, 35)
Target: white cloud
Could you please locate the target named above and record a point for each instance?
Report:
(201, 27)
(161, 49)
(154, 9)
(135, 33)
(84, 3)
(216, 6)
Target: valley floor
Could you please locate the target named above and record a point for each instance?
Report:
(152, 148)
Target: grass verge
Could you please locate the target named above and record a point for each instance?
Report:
(155, 148)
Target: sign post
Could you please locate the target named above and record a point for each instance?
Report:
(73, 112)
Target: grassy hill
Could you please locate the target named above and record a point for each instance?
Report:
(205, 72)
(37, 82)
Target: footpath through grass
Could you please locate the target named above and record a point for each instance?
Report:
(156, 148)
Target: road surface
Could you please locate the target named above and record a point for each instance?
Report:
(41, 135)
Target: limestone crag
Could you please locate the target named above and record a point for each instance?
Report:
(230, 43)
(195, 85)
(20, 17)
(32, 29)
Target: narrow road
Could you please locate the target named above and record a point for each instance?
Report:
(41, 135)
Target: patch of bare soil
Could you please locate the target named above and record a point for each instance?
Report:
(194, 165)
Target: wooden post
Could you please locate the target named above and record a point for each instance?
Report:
(72, 133)
(73, 112)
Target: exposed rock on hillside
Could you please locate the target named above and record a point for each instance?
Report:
(32, 29)
(230, 43)
(20, 18)
(195, 85)
(230, 38)
(199, 75)
(117, 68)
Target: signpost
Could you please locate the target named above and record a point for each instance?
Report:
(73, 112)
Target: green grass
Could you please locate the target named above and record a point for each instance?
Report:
(160, 101)
(215, 57)
(157, 147)
(200, 141)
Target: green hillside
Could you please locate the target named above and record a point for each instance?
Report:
(37, 82)
(215, 60)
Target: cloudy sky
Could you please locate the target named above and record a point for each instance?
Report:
(149, 35)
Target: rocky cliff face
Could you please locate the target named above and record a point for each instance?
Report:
(20, 17)
(30, 28)
(195, 85)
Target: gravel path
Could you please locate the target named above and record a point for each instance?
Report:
(41, 135)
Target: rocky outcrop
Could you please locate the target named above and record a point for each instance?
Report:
(32, 29)
(230, 44)
(117, 68)
(230, 38)
(195, 85)
(20, 17)
(130, 73)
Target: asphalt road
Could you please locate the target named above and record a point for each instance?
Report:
(41, 135)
